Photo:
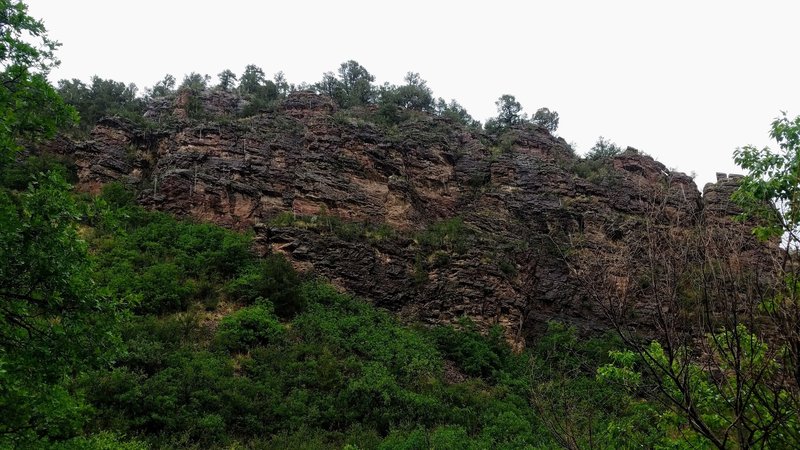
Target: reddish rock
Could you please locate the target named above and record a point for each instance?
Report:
(528, 218)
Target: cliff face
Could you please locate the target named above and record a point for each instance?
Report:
(423, 218)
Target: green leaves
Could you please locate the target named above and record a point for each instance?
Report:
(770, 193)
(52, 321)
(546, 118)
(353, 87)
(100, 99)
(621, 370)
(249, 328)
(30, 109)
(23, 39)
(603, 149)
(745, 368)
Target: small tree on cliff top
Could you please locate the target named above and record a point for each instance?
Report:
(546, 118)
(603, 149)
(226, 79)
(509, 111)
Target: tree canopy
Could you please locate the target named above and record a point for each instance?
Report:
(603, 149)
(101, 98)
(509, 114)
(352, 86)
(30, 108)
(771, 190)
(226, 79)
(51, 319)
(546, 118)
(163, 87)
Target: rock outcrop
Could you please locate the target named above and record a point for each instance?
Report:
(422, 217)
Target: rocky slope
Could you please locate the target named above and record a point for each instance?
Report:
(424, 217)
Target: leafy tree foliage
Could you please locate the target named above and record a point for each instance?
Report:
(226, 80)
(329, 85)
(509, 111)
(355, 85)
(546, 118)
(30, 109)
(51, 313)
(19, 175)
(768, 195)
(474, 353)
(195, 82)
(260, 92)
(191, 88)
(352, 87)
(159, 265)
(273, 279)
(252, 80)
(101, 99)
(283, 86)
(713, 404)
(771, 190)
(509, 114)
(52, 321)
(603, 149)
(251, 327)
(163, 88)
(397, 102)
(415, 94)
(457, 113)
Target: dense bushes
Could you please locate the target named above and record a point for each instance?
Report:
(274, 279)
(99, 99)
(159, 264)
(250, 327)
(475, 354)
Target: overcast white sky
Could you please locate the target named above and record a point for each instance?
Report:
(685, 81)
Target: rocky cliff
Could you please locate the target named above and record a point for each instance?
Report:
(422, 217)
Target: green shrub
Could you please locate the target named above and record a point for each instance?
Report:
(117, 195)
(603, 149)
(599, 171)
(406, 440)
(284, 219)
(161, 264)
(453, 438)
(273, 279)
(17, 175)
(211, 251)
(162, 289)
(249, 327)
(103, 440)
(475, 354)
(450, 235)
